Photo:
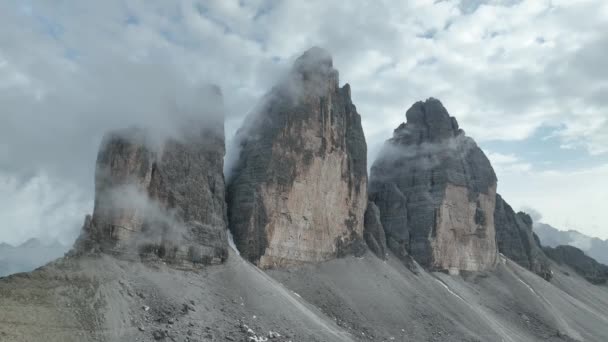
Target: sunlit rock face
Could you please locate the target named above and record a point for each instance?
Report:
(163, 198)
(436, 191)
(517, 241)
(298, 191)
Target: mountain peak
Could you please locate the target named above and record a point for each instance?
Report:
(314, 57)
(31, 243)
(426, 174)
(311, 134)
(428, 121)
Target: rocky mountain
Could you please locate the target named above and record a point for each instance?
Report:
(517, 241)
(302, 152)
(162, 200)
(436, 192)
(298, 206)
(553, 237)
(29, 255)
(582, 264)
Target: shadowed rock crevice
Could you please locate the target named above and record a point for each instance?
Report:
(299, 187)
(517, 241)
(436, 192)
(374, 232)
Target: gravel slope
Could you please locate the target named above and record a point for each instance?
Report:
(349, 299)
(386, 302)
(103, 299)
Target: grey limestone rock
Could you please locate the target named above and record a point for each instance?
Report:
(517, 241)
(165, 200)
(374, 232)
(435, 189)
(298, 190)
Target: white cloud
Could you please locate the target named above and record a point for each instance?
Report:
(70, 71)
(507, 163)
(566, 199)
(40, 207)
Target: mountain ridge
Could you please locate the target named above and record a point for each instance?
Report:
(553, 237)
(430, 253)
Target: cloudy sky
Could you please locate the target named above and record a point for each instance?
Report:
(527, 79)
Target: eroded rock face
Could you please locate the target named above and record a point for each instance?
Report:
(517, 241)
(436, 191)
(165, 199)
(299, 188)
(582, 264)
(374, 232)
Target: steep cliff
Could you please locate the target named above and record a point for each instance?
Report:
(298, 191)
(166, 198)
(582, 264)
(517, 241)
(373, 232)
(436, 192)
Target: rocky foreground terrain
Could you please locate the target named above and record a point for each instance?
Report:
(427, 251)
(349, 299)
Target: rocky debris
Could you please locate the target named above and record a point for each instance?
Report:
(436, 190)
(517, 241)
(249, 334)
(166, 199)
(582, 264)
(373, 232)
(298, 190)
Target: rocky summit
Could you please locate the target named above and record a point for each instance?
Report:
(436, 193)
(162, 199)
(517, 241)
(298, 191)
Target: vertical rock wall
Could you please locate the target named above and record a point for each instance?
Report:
(167, 199)
(436, 193)
(299, 188)
(517, 241)
(373, 232)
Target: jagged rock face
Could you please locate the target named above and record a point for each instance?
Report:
(436, 193)
(373, 232)
(517, 241)
(582, 264)
(164, 199)
(299, 188)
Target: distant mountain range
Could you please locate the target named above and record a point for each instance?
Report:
(30, 255)
(553, 237)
